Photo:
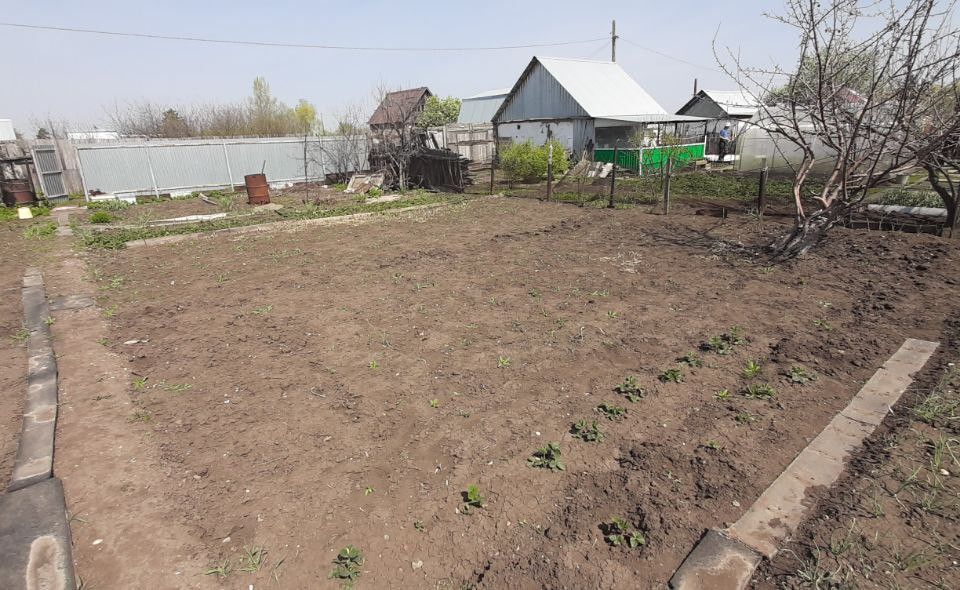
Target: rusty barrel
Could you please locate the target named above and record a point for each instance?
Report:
(17, 192)
(258, 191)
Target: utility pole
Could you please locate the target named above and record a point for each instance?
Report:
(613, 40)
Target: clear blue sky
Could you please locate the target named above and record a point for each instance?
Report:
(78, 77)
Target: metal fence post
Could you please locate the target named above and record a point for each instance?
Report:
(762, 189)
(613, 173)
(226, 159)
(666, 185)
(549, 171)
(153, 176)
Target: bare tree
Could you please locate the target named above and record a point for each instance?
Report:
(345, 151)
(861, 92)
(396, 135)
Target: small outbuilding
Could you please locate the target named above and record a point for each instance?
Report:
(723, 107)
(399, 109)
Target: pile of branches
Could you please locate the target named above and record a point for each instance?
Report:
(421, 167)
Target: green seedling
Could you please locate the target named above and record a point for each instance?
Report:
(745, 418)
(713, 445)
(252, 559)
(612, 412)
(716, 344)
(618, 532)
(221, 571)
(822, 325)
(671, 376)
(140, 383)
(503, 362)
(174, 387)
(262, 310)
(472, 499)
(735, 336)
(759, 391)
(368, 490)
(721, 394)
(373, 365)
(630, 388)
(799, 375)
(613, 315)
(348, 565)
(434, 403)
(141, 416)
(21, 335)
(547, 457)
(691, 359)
(48, 321)
(587, 432)
(418, 524)
(751, 370)
(111, 311)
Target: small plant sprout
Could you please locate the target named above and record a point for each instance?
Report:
(262, 310)
(139, 382)
(713, 445)
(503, 362)
(21, 335)
(611, 411)
(799, 375)
(721, 394)
(691, 359)
(472, 499)
(716, 344)
(347, 565)
(48, 321)
(434, 403)
(221, 571)
(586, 431)
(252, 559)
(368, 490)
(547, 457)
(373, 365)
(745, 418)
(618, 532)
(751, 370)
(613, 315)
(822, 324)
(671, 376)
(735, 336)
(418, 524)
(630, 389)
(759, 391)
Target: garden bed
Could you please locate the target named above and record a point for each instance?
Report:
(312, 390)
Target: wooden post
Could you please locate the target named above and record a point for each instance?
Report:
(666, 186)
(493, 169)
(549, 171)
(762, 189)
(613, 174)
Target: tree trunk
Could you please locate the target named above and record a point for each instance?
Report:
(807, 232)
(949, 199)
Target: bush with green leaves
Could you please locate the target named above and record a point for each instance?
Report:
(108, 205)
(528, 163)
(630, 389)
(100, 217)
(586, 431)
(472, 499)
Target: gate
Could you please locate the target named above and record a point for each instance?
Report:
(47, 163)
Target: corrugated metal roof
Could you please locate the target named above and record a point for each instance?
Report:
(480, 108)
(736, 103)
(602, 88)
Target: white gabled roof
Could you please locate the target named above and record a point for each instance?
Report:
(737, 103)
(602, 88)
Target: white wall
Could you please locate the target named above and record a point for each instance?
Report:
(536, 132)
(6, 130)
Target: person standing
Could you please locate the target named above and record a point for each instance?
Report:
(724, 140)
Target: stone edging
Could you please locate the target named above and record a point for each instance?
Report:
(34, 531)
(726, 559)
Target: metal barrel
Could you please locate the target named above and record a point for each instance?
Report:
(258, 191)
(17, 193)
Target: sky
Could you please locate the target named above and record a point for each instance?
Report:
(80, 78)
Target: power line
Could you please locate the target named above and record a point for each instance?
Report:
(290, 45)
(668, 56)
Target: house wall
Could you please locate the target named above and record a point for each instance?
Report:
(572, 134)
(540, 96)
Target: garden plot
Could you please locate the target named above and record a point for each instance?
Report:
(501, 393)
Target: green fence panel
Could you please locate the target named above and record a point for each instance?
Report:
(687, 154)
(628, 158)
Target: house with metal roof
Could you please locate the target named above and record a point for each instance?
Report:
(480, 108)
(399, 109)
(733, 108)
(588, 105)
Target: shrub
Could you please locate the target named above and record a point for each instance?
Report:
(524, 162)
(100, 217)
(908, 198)
(112, 205)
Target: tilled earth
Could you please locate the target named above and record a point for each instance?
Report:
(346, 384)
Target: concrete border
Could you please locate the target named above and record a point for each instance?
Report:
(35, 539)
(291, 224)
(34, 461)
(726, 560)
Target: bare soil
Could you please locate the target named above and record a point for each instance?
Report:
(308, 390)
